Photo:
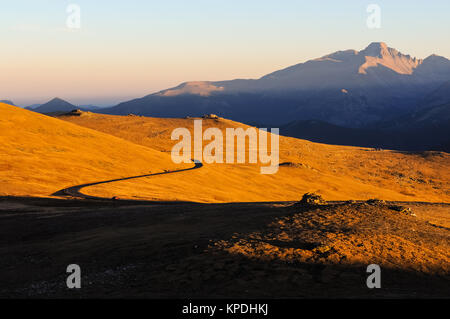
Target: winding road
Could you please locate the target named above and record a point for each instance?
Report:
(75, 191)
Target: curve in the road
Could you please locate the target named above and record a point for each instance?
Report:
(75, 191)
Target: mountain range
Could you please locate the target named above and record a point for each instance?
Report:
(376, 97)
(347, 88)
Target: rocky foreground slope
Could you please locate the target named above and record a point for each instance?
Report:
(271, 250)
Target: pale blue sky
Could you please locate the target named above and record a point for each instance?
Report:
(127, 49)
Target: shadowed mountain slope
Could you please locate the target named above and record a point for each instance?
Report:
(55, 105)
(424, 129)
(348, 88)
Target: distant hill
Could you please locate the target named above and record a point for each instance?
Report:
(32, 107)
(346, 88)
(55, 105)
(7, 102)
(58, 105)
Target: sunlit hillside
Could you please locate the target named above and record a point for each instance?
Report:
(337, 172)
(40, 155)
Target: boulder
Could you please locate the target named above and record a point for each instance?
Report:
(312, 199)
(211, 116)
(402, 209)
(76, 112)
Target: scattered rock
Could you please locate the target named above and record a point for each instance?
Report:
(402, 209)
(323, 249)
(211, 116)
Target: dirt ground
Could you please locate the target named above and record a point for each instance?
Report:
(132, 249)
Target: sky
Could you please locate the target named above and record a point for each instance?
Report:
(128, 49)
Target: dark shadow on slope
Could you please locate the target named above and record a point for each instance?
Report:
(168, 252)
